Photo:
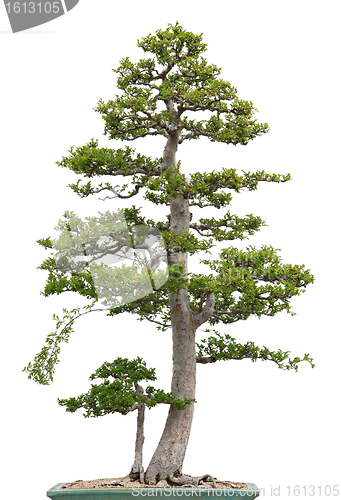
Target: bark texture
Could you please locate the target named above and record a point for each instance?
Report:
(169, 455)
(137, 471)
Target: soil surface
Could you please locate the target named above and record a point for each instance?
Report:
(126, 482)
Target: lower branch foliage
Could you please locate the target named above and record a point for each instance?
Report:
(123, 394)
(224, 347)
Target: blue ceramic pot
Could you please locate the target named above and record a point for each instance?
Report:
(163, 493)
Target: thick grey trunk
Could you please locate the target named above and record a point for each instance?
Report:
(170, 452)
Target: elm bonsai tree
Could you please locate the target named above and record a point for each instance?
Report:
(123, 395)
(161, 96)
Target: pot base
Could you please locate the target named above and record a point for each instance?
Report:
(250, 492)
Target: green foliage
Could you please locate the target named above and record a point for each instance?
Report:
(204, 189)
(58, 281)
(91, 161)
(45, 242)
(233, 227)
(224, 347)
(123, 368)
(250, 282)
(185, 242)
(123, 394)
(44, 363)
(186, 84)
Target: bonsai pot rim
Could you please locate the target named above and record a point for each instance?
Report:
(56, 492)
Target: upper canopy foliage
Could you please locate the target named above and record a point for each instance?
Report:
(180, 78)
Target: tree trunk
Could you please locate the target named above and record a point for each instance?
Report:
(137, 468)
(170, 452)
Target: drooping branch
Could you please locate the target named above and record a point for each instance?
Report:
(44, 363)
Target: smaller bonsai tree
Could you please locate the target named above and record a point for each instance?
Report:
(124, 394)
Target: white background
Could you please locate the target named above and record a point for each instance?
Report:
(252, 421)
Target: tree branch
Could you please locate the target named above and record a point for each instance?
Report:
(224, 348)
(44, 362)
(206, 313)
(154, 321)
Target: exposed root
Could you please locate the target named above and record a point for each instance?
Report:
(185, 480)
(176, 479)
(137, 475)
(118, 482)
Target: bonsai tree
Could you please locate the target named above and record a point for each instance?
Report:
(175, 93)
(123, 395)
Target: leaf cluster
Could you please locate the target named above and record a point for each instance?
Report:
(120, 392)
(249, 282)
(44, 363)
(92, 161)
(224, 347)
(180, 80)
